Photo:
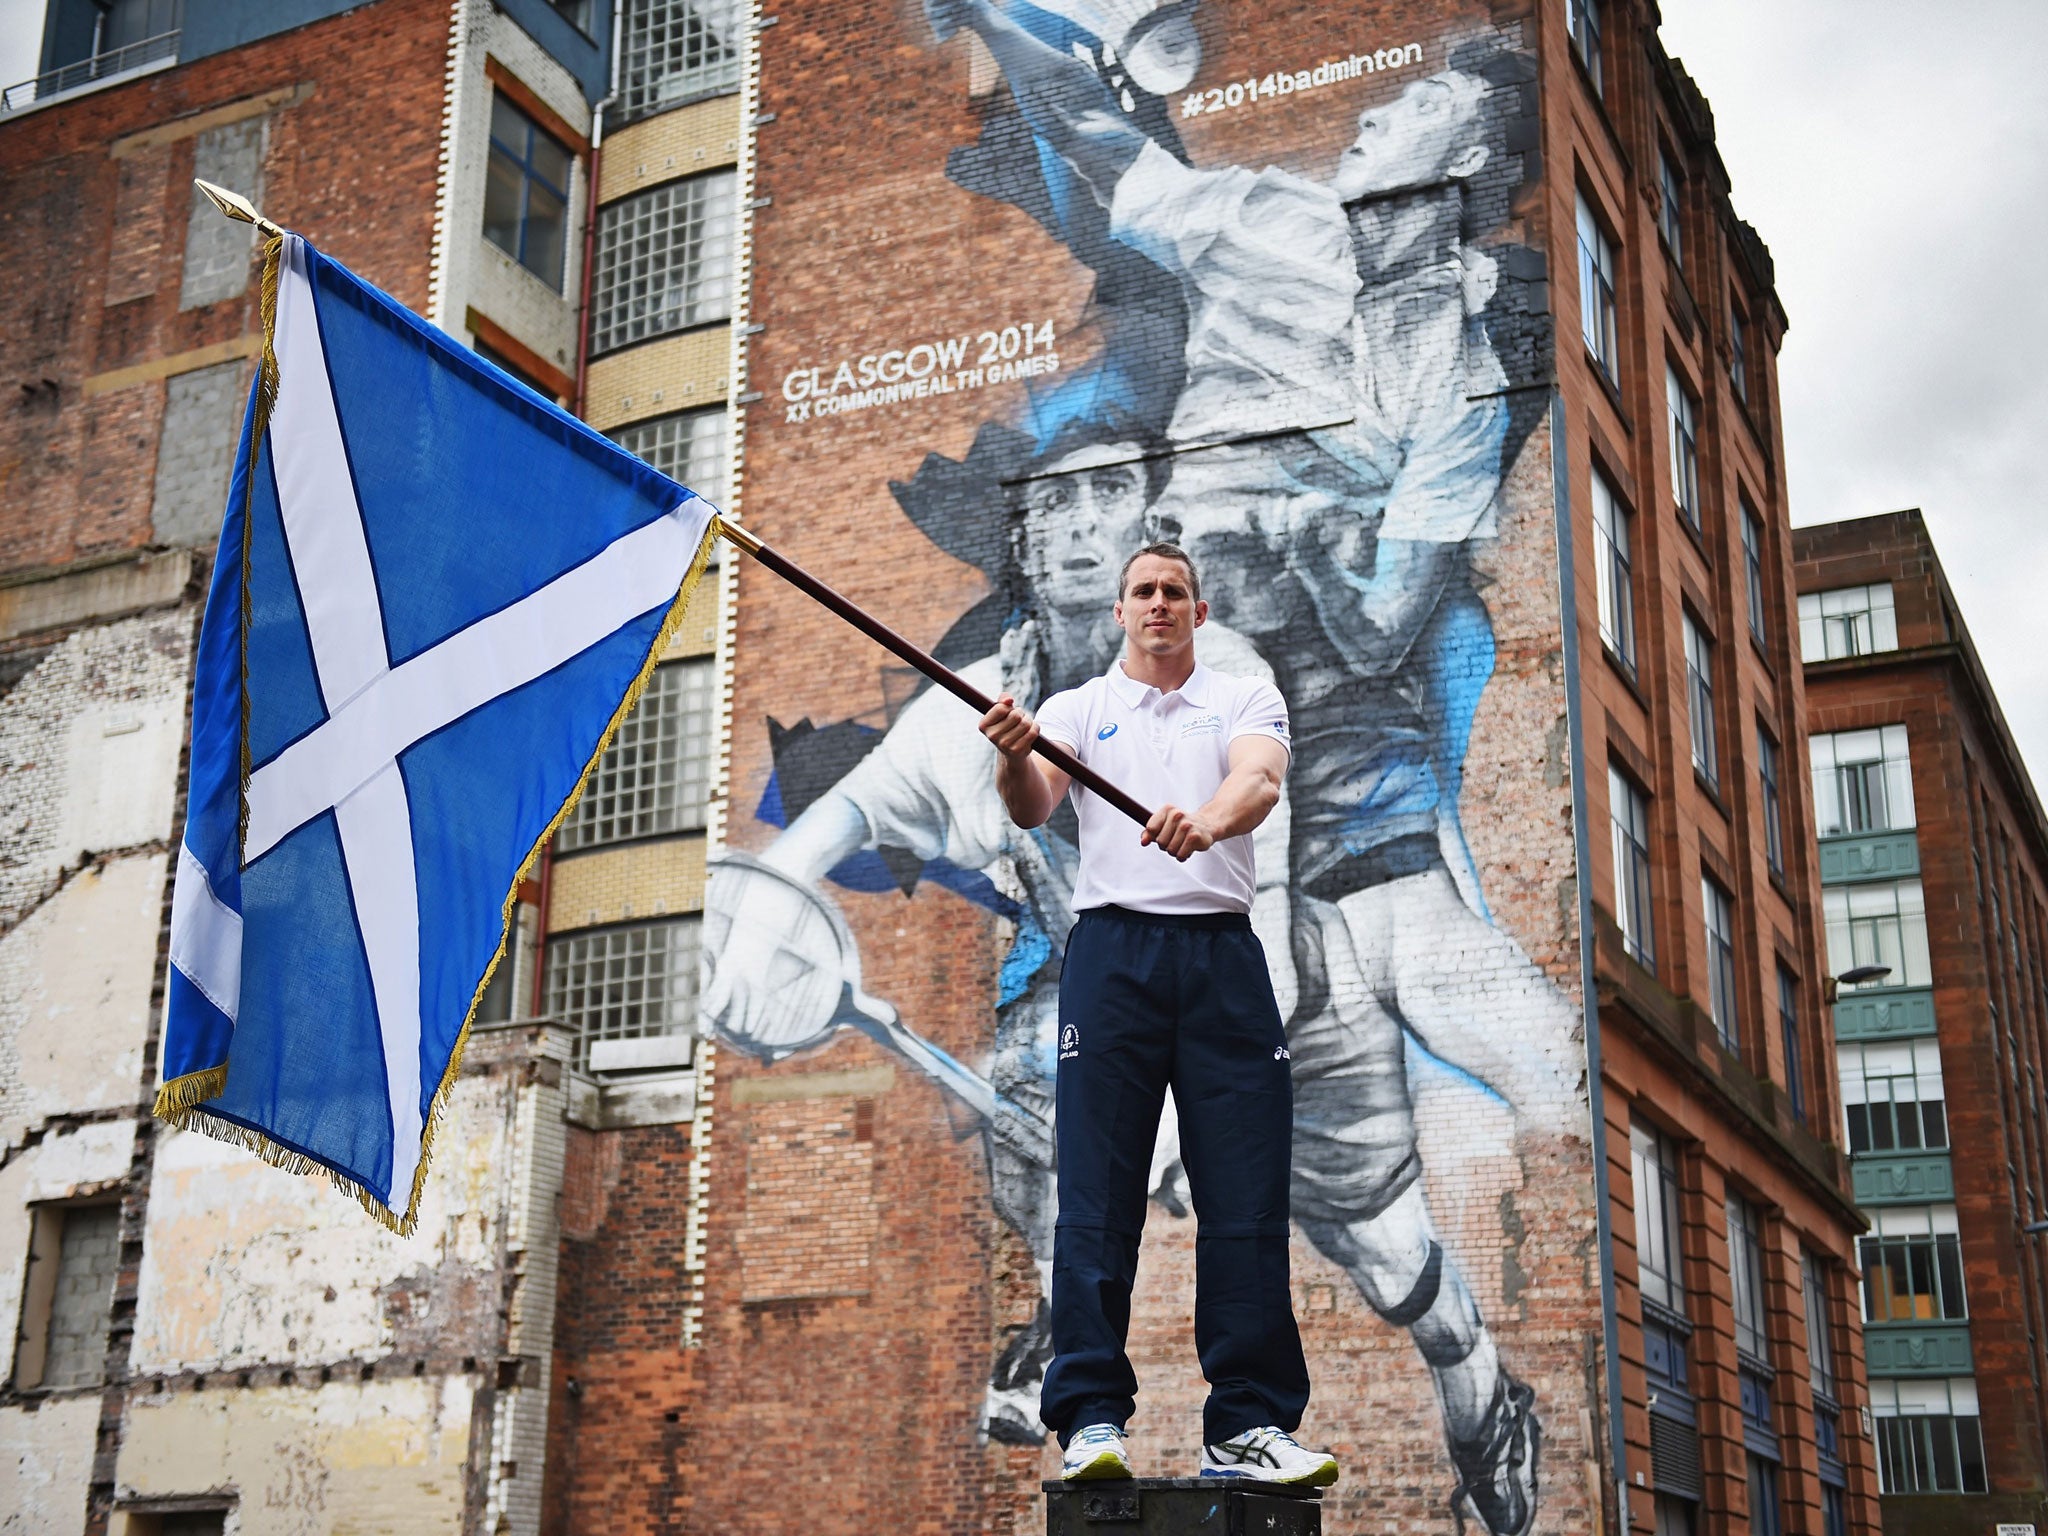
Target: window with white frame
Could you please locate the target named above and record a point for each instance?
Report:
(1582, 20)
(1721, 978)
(1596, 292)
(1629, 814)
(654, 776)
(1930, 1436)
(1892, 1096)
(1699, 700)
(1671, 205)
(1912, 1265)
(627, 983)
(1862, 781)
(1613, 575)
(671, 51)
(1767, 756)
(689, 447)
(664, 261)
(1683, 410)
(1753, 567)
(1847, 621)
(1883, 922)
(526, 193)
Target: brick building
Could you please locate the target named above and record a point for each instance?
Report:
(1934, 863)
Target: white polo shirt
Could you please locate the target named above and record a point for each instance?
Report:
(1161, 748)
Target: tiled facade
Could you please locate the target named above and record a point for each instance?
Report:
(1934, 864)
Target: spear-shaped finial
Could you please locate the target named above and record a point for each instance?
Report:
(235, 206)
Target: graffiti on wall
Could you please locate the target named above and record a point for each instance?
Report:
(1302, 376)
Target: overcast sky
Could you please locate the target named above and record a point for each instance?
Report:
(1894, 155)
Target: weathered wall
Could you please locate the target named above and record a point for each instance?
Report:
(979, 394)
(47, 1455)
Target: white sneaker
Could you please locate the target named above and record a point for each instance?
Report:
(1097, 1451)
(1270, 1455)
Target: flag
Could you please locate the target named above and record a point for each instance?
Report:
(436, 597)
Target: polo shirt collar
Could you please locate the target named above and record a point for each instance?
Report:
(1195, 690)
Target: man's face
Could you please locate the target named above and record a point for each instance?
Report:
(1080, 518)
(1425, 134)
(1158, 611)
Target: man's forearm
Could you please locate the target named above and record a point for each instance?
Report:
(1241, 802)
(1026, 795)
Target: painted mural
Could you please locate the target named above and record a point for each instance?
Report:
(1305, 370)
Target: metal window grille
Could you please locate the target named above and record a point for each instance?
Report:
(1613, 575)
(673, 50)
(526, 193)
(664, 261)
(1746, 1277)
(1721, 983)
(1685, 446)
(125, 35)
(1863, 781)
(1879, 923)
(1653, 1160)
(1788, 1030)
(654, 776)
(1753, 569)
(1774, 815)
(1671, 207)
(1630, 815)
(1583, 20)
(625, 983)
(1596, 292)
(690, 447)
(1699, 698)
(1848, 621)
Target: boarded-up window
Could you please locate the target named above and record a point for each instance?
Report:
(68, 1296)
(217, 249)
(811, 1216)
(137, 247)
(195, 456)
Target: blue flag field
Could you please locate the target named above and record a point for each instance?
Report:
(436, 597)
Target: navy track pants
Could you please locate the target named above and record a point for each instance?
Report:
(1147, 1001)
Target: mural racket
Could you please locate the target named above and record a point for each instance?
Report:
(1298, 374)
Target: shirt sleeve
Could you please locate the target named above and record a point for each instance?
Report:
(1261, 711)
(1059, 720)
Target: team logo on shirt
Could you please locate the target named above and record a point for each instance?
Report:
(1106, 732)
(1202, 725)
(1070, 1037)
(1279, 727)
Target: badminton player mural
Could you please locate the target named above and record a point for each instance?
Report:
(1299, 375)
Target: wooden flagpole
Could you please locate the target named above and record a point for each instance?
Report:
(926, 663)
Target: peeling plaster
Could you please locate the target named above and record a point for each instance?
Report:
(47, 1460)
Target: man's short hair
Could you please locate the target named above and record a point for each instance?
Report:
(1165, 552)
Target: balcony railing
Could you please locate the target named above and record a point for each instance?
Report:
(101, 68)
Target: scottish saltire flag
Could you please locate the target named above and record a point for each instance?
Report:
(435, 598)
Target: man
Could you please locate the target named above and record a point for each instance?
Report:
(1165, 985)
(928, 788)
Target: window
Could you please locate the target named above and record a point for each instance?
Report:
(1685, 447)
(1667, 1334)
(532, 381)
(1848, 621)
(574, 12)
(1720, 918)
(153, 1519)
(1613, 577)
(1764, 1515)
(1881, 923)
(1582, 19)
(1653, 1159)
(1788, 1029)
(625, 983)
(526, 193)
(1596, 292)
(1746, 1279)
(1671, 206)
(1912, 1265)
(67, 1295)
(1753, 567)
(1862, 781)
(1699, 700)
(690, 448)
(1929, 1436)
(673, 50)
(664, 261)
(653, 777)
(1893, 1098)
(1774, 810)
(1738, 352)
(1629, 812)
(1820, 1339)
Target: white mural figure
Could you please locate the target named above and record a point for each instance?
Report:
(929, 787)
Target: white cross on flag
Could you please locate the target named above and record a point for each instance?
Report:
(435, 598)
